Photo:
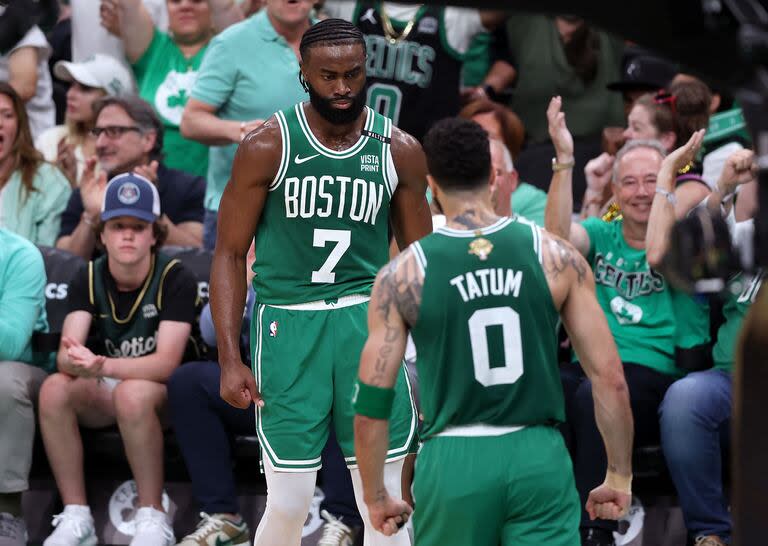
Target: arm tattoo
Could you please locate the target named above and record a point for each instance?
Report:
(399, 291)
(559, 256)
(401, 283)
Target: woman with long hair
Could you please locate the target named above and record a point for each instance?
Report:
(33, 193)
(69, 145)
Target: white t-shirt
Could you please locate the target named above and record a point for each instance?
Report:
(89, 37)
(462, 24)
(40, 108)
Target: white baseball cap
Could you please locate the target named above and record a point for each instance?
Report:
(100, 71)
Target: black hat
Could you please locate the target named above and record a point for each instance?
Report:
(644, 73)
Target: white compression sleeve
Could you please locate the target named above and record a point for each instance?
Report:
(392, 476)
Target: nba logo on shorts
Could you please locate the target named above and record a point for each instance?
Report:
(273, 329)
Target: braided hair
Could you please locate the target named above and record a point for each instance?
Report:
(330, 32)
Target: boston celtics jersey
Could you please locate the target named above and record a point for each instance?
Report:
(134, 334)
(323, 233)
(636, 299)
(404, 75)
(486, 334)
(743, 290)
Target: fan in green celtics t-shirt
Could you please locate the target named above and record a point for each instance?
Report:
(318, 186)
(650, 321)
(482, 297)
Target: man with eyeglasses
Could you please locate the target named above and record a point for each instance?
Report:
(129, 138)
(643, 311)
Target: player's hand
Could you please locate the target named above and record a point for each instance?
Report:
(561, 137)
(388, 515)
(604, 502)
(238, 386)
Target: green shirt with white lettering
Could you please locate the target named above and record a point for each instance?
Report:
(165, 77)
(323, 232)
(635, 299)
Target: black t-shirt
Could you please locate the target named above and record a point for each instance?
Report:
(181, 199)
(179, 295)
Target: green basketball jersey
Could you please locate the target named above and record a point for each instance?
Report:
(323, 233)
(486, 336)
(135, 334)
(743, 290)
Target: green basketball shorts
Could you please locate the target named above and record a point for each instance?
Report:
(305, 360)
(514, 489)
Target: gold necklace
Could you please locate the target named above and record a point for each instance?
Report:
(389, 31)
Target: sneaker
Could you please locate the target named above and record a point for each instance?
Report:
(594, 536)
(152, 528)
(335, 533)
(710, 540)
(13, 530)
(216, 530)
(74, 527)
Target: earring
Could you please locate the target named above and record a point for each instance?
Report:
(303, 82)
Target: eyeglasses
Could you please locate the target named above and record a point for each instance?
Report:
(113, 131)
(665, 97)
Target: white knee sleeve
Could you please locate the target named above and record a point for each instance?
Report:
(289, 495)
(392, 481)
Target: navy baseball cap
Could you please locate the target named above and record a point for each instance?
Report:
(131, 195)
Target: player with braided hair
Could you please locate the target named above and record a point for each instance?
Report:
(318, 186)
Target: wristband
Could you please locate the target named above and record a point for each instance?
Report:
(618, 482)
(562, 166)
(374, 402)
(671, 197)
(88, 221)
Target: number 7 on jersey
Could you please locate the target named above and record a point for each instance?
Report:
(342, 239)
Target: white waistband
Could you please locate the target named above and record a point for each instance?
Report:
(479, 429)
(344, 301)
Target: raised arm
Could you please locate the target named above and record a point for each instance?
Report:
(22, 71)
(573, 291)
(411, 218)
(557, 215)
(664, 206)
(740, 168)
(394, 306)
(224, 13)
(136, 26)
(256, 162)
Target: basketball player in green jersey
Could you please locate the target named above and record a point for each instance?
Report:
(482, 297)
(317, 185)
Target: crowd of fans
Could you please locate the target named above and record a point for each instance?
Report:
(122, 96)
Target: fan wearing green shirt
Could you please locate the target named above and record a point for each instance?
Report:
(166, 64)
(654, 326)
(249, 73)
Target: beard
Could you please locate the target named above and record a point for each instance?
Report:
(337, 116)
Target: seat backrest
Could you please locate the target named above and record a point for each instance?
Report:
(198, 261)
(60, 268)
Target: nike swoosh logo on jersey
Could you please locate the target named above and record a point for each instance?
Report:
(299, 160)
